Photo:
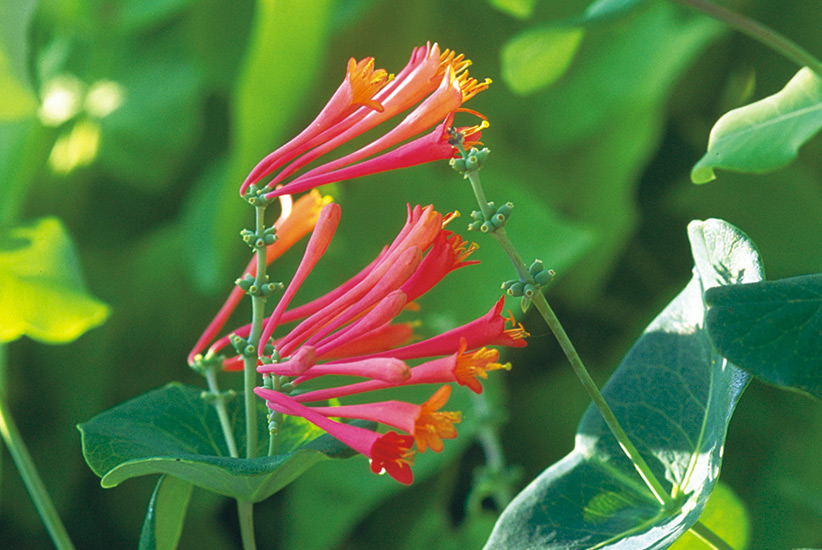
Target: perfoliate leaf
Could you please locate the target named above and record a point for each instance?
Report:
(537, 57)
(674, 396)
(521, 9)
(42, 294)
(771, 329)
(166, 511)
(172, 430)
(765, 135)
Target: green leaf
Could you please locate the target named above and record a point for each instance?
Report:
(771, 329)
(172, 430)
(165, 514)
(42, 294)
(19, 99)
(765, 135)
(602, 9)
(538, 57)
(725, 515)
(674, 396)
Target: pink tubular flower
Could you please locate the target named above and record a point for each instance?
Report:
(435, 84)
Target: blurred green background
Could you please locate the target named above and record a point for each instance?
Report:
(167, 104)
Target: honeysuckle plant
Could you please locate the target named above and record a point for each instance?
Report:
(347, 374)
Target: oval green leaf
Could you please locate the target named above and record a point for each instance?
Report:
(771, 329)
(42, 294)
(538, 57)
(765, 135)
(166, 511)
(172, 430)
(674, 396)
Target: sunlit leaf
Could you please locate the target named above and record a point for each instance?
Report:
(172, 430)
(674, 396)
(771, 329)
(536, 58)
(725, 516)
(42, 294)
(166, 511)
(765, 135)
(18, 99)
(521, 9)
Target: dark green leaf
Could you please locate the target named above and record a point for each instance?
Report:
(172, 430)
(42, 294)
(765, 135)
(165, 514)
(674, 396)
(771, 329)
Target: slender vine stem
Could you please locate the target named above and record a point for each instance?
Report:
(759, 32)
(31, 478)
(245, 511)
(539, 301)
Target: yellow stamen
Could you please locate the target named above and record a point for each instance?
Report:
(365, 82)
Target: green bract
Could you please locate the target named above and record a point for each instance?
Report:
(771, 329)
(42, 294)
(765, 135)
(172, 430)
(674, 396)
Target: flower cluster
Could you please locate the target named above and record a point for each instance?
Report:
(352, 331)
(433, 85)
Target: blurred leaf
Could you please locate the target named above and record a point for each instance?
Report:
(521, 9)
(172, 430)
(765, 135)
(24, 147)
(538, 57)
(771, 329)
(674, 396)
(42, 294)
(601, 9)
(599, 126)
(19, 99)
(145, 139)
(725, 515)
(166, 512)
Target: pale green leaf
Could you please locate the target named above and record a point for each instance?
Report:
(521, 9)
(765, 135)
(725, 515)
(42, 294)
(166, 511)
(538, 57)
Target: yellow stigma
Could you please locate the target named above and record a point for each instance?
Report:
(365, 82)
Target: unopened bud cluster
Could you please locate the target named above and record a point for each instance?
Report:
(541, 277)
(254, 240)
(473, 160)
(496, 221)
(249, 284)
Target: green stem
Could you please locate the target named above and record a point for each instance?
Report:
(488, 437)
(588, 383)
(250, 362)
(34, 485)
(758, 32)
(245, 511)
(709, 537)
(222, 413)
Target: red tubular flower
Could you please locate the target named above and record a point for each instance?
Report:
(437, 83)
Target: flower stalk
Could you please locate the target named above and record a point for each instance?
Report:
(471, 172)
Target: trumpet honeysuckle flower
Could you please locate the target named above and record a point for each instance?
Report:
(389, 452)
(433, 85)
(425, 422)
